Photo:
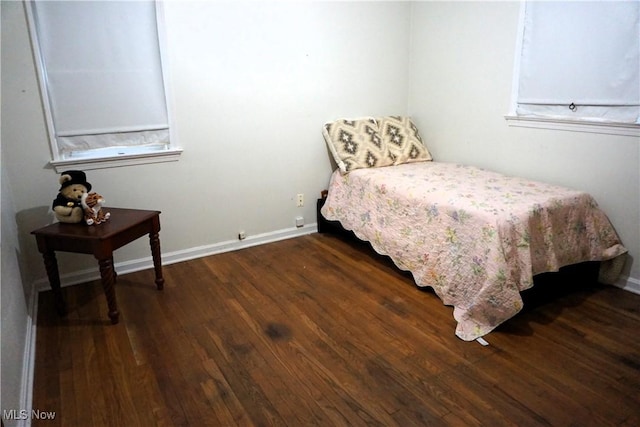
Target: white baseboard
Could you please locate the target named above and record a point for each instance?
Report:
(125, 267)
(630, 284)
(28, 364)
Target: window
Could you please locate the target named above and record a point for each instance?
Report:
(578, 67)
(102, 82)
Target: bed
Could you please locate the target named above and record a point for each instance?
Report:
(475, 236)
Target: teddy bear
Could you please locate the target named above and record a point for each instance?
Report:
(92, 206)
(67, 206)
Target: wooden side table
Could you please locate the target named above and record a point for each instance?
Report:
(124, 226)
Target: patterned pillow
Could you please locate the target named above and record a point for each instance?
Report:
(356, 144)
(403, 139)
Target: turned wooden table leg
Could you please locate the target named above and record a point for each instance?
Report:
(108, 280)
(115, 273)
(154, 240)
(51, 264)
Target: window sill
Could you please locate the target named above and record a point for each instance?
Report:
(86, 163)
(623, 129)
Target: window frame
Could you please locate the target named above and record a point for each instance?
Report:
(576, 125)
(110, 158)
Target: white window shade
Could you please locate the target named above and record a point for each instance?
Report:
(102, 67)
(581, 61)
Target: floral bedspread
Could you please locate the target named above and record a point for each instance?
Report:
(476, 237)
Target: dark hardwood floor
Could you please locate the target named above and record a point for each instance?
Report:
(320, 330)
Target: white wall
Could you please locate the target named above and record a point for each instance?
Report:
(15, 326)
(15, 317)
(252, 83)
(461, 68)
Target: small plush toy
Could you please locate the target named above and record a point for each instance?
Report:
(92, 205)
(67, 206)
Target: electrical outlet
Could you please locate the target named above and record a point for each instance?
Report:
(300, 200)
(242, 235)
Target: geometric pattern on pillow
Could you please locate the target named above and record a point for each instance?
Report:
(403, 140)
(356, 144)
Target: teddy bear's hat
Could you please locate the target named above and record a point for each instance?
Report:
(74, 177)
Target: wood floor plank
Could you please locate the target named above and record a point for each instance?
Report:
(321, 330)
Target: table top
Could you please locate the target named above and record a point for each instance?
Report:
(121, 220)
